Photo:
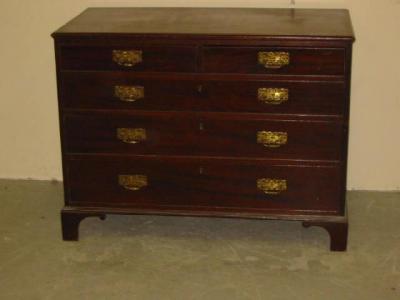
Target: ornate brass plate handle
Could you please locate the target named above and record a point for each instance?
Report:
(272, 139)
(273, 60)
(132, 182)
(127, 58)
(271, 186)
(273, 95)
(131, 135)
(129, 93)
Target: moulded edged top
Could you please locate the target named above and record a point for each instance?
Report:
(273, 22)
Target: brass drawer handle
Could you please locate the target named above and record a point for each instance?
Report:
(131, 135)
(272, 139)
(273, 95)
(272, 186)
(132, 182)
(127, 58)
(129, 93)
(273, 60)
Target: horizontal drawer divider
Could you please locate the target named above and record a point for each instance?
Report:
(280, 162)
(218, 76)
(253, 116)
(221, 115)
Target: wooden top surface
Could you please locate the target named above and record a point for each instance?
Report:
(212, 21)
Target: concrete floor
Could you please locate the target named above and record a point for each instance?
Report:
(149, 257)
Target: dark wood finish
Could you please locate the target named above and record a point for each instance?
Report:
(214, 212)
(302, 61)
(155, 58)
(70, 221)
(200, 74)
(300, 23)
(95, 90)
(204, 134)
(338, 232)
(187, 183)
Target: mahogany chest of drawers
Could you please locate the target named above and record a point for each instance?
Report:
(206, 112)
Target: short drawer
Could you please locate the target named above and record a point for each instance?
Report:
(134, 58)
(202, 134)
(122, 90)
(201, 184)
(273, 60)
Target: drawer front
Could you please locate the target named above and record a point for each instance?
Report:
(122, 90)
(273, 60)
(134, 58)
(202, 134)
(212, 184)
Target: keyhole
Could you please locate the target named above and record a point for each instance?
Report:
(201, 126)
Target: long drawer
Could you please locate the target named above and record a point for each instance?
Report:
(182, 183)
(167, 133)
(266, 60)
(126, 90)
